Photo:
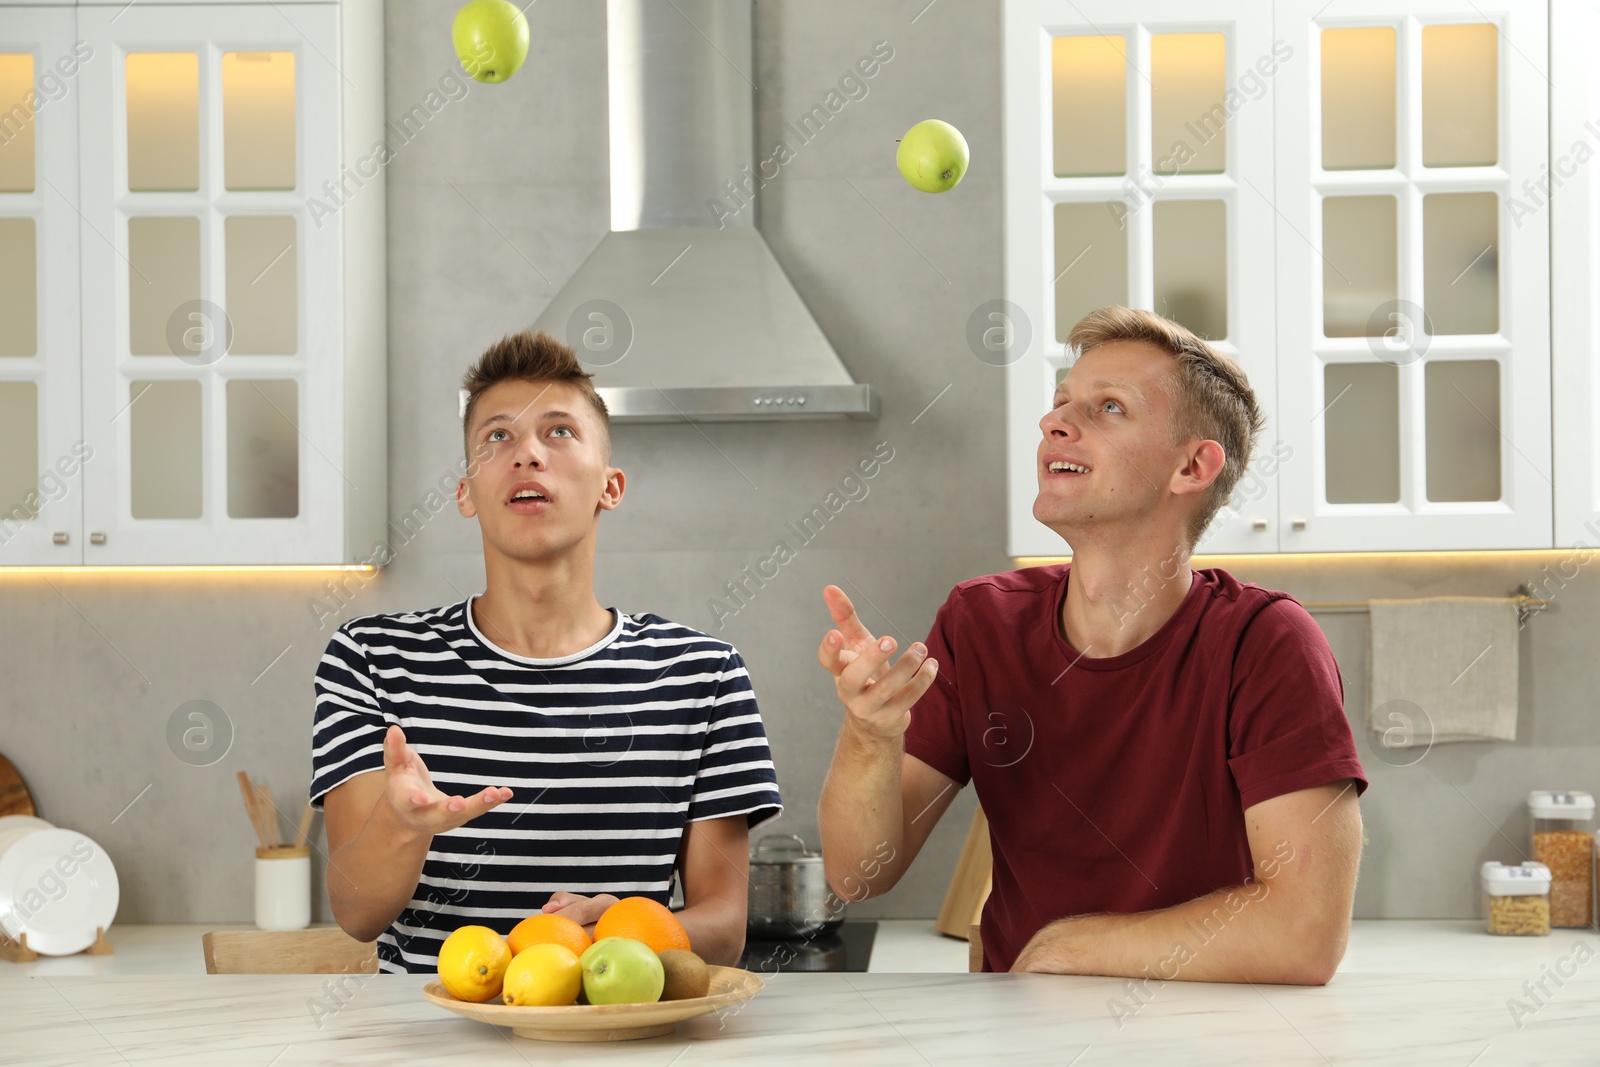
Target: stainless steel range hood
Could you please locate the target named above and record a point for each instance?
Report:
(682, 312)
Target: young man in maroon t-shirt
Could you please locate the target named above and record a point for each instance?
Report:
(1162, 753)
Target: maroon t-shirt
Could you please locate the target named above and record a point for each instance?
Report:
(1120, 784)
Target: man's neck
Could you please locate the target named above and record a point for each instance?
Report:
(543, 609)
(1117, 600)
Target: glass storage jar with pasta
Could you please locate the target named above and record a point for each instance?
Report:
(1516, 899)
(1563, 840)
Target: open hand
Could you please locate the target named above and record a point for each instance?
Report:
(877, 696)
(417, 802)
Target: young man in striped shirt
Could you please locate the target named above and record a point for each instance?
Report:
(527, 749)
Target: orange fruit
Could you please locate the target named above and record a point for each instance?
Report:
(544, 929)
(473, 962)
(642, 919)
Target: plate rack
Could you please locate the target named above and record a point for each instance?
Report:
(19, 952)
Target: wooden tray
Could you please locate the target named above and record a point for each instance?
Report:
(604, 1022)
(14, 796)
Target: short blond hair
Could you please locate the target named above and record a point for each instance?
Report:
(1211, 397)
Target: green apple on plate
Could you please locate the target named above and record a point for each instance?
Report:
(933, 156)
(491, 39)
(620, 970)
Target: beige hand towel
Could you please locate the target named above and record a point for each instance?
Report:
(1455, 658)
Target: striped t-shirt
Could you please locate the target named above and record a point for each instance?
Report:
(609, 753)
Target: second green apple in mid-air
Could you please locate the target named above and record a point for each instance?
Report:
(491, 39)
(933, 156)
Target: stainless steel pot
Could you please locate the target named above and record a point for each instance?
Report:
(789, 894)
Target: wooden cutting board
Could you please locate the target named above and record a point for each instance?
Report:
(970, 885)
(14, 796)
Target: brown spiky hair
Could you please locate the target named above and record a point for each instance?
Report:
(531, 357)
(1210, 396)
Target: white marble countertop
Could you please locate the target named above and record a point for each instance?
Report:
(1408, 992)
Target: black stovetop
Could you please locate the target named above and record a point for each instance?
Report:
(849, 948)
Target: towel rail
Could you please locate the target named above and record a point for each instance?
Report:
(1528, 605)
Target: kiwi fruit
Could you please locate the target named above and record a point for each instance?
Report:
(687, 975)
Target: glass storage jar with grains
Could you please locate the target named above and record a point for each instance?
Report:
(1516, 900)
(1563, 840)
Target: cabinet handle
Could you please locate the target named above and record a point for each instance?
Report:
(1259, 525)
(97, 539)
(1298, 524)
(60, 537)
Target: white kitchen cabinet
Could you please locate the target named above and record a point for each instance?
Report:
(41, 443)
(1138, 171)
(230, 375)
(1382, 290)
(1413, 307)
(1571, 200)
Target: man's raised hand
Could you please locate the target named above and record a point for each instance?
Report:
(417, 802)
(878, 696)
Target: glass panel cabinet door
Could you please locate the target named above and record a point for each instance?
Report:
(1139, 171)
(1412, 279)
(212, 380)
(42, 454)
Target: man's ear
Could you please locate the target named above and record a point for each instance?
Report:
(611, 495)
(1204, 461)
(464, 502)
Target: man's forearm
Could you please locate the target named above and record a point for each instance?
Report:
(1243, 934)
(372, 877)
(716, 930)
(860, 812)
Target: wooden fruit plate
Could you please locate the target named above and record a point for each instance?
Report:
(604, 1022)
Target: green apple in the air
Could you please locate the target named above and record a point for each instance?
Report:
(933, 156)
(620, 970)
(491, 39)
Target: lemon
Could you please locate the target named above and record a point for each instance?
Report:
(472, 963)
(546, 975)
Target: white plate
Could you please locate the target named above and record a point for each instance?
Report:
(14, 828)
(56, 886)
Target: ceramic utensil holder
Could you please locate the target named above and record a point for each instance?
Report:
(283, 888)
